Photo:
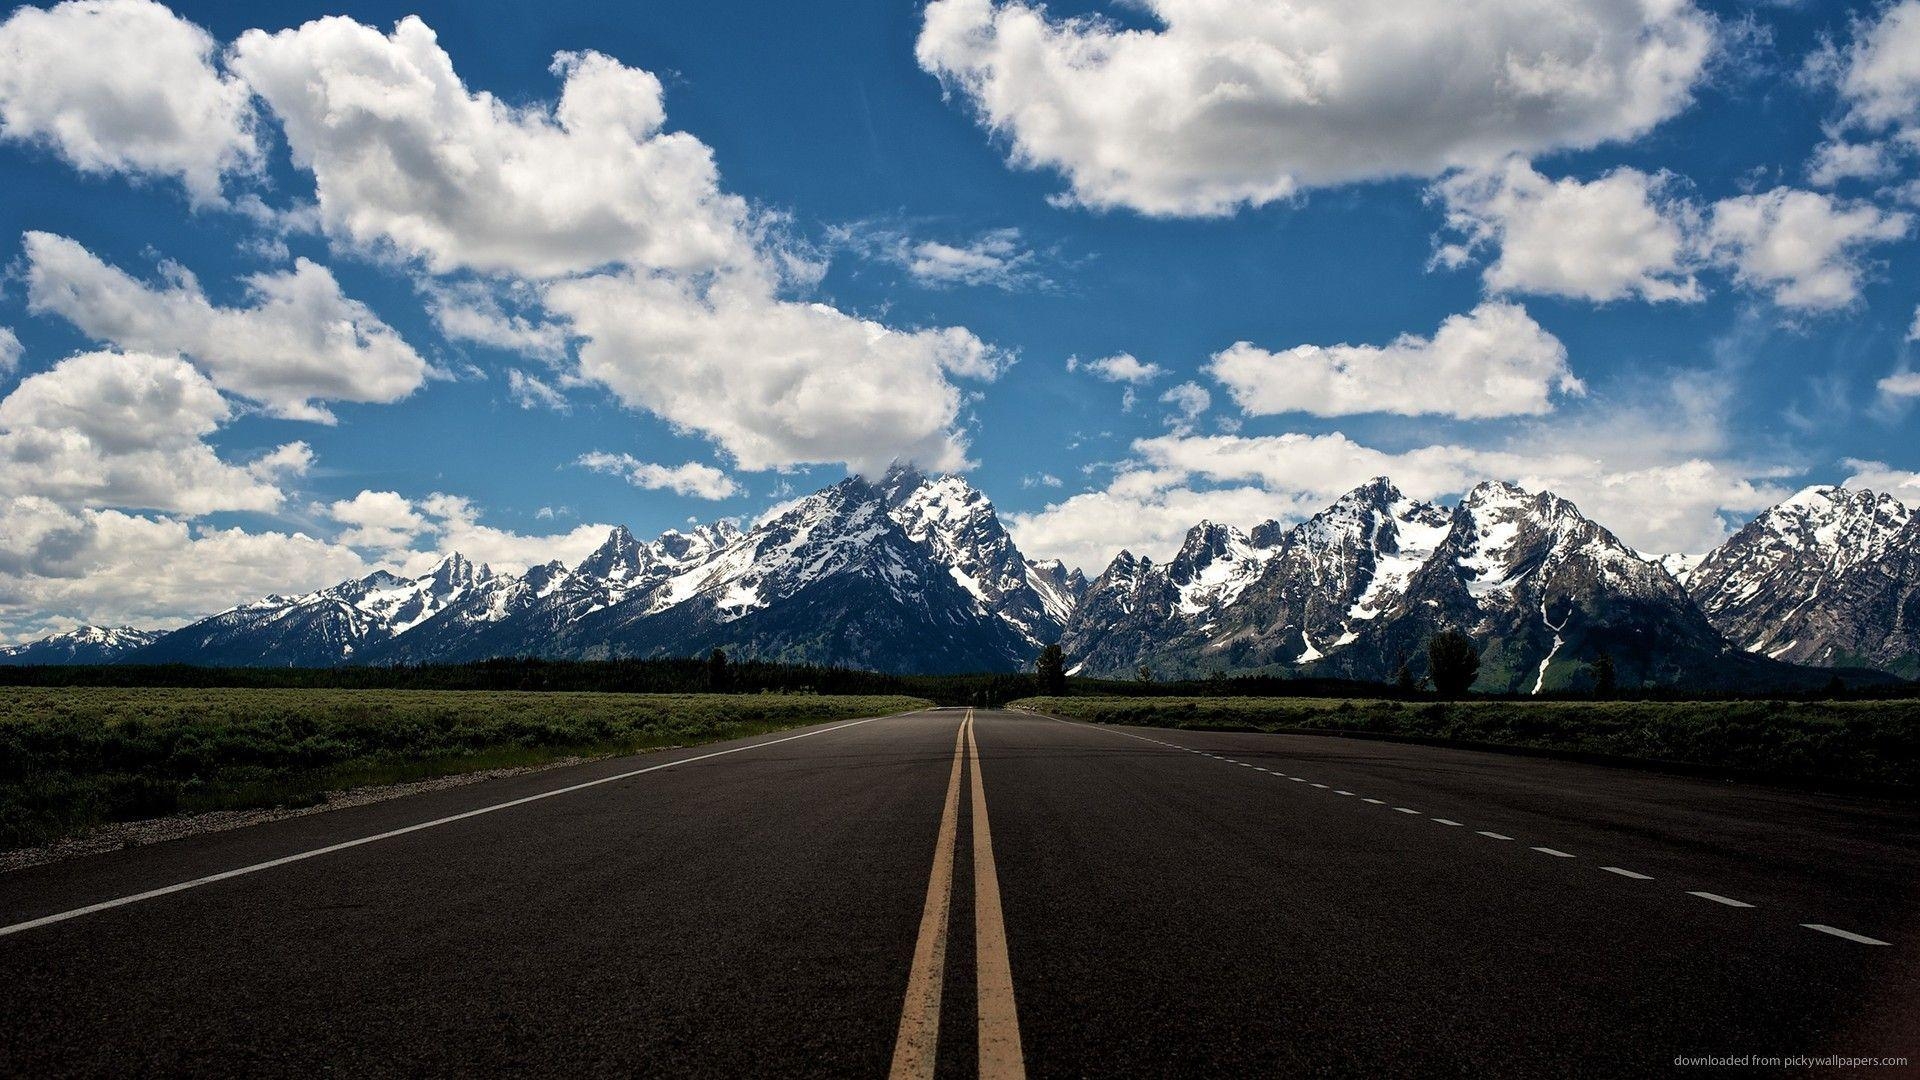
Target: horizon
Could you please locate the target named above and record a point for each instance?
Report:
(239, 356)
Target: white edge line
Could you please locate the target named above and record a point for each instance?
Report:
(150, 894)
(1848, 934)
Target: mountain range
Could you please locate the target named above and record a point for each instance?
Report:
(912, 573)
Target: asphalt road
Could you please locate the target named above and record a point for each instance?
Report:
(917, 895)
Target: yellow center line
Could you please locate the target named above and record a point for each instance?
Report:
(914, 1049)
(999, 1021)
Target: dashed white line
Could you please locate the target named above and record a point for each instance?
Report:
(1444, 821)
(1322, 787)
(1298, 779)
(1406, 810)
(1343, 792)
(1554, 852)
(1376, 802)
(1848, 934)
(1627, 873)
(1718, 899)
(1493, 835)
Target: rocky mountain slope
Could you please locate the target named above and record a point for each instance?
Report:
(1831, 577)
(1356, 591)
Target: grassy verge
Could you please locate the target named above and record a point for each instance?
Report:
(1873, 743)
(71, 757)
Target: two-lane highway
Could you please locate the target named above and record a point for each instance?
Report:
(950, 893)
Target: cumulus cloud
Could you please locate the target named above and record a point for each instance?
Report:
(125, 430)
(1835, 162)
(61, 565)
(619, 229)
(1662, 504)
(775, 382)
(691, 479)
(1805, 248)
(125, 86)
(1242, 102)
(300, 340)
(404, 155)
(1618, 236)
(1118, 368)
(10, 351)
(1492, 361)
(392, 527)
(381, 520)
(1879, 476)
(1879, 75)
(453, 523)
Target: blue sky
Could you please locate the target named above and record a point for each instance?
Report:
(1663, 262)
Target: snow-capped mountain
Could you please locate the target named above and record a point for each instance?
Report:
(84, 645)
(958, 526)
(917, 573)
(1829, 577)
(335, 625)
(1356, 591)
(910, 574)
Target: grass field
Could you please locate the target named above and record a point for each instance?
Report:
(71, 758)
(1853, 742)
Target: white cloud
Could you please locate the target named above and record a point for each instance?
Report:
(995, 259)
(692, 478)
(1492, 361)
(10, 351)
(480, 312)
(1901, 384)
(1034, 480)
(104, 566)
(1879, 476)
(391, 526)
(283, 462)
(112, 429)
(1804, 247)
(1120, 368)
(1879, 74)
(532, 392)
(775, 382)
(1662, 504)
(1189, 400)
(403, 154)
(453, 523)
(382, 520)
(1618, 236)
(1237, 102)
(1913, 329)
(124, 86)
(299, 341)
(1834, 162)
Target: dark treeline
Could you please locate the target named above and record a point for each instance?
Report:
(706, 675)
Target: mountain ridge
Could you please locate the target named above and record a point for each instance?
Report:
(910, 572)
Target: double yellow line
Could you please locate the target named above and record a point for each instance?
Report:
(916, 1048)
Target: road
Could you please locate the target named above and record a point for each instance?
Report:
(921, 895)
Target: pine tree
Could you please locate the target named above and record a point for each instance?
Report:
(717, 670)
(1453, 662)
(1052, 669)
